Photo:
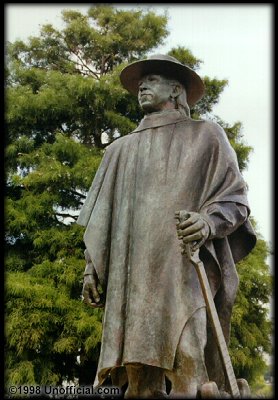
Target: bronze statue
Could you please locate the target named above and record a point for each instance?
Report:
(155, 323)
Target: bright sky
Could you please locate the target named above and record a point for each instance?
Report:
(235, 43)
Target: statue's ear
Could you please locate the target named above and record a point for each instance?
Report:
(177, 89)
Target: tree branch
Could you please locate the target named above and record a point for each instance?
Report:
(67, 215)
(81, 60)
(78, 194)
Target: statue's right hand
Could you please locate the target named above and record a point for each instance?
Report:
(90, 293)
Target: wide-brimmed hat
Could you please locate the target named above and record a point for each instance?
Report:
(167, 66)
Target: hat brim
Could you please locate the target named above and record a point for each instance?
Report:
(193, 84)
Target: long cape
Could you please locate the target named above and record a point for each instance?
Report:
(168, 163)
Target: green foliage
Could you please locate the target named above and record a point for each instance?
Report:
(251, 326)
(213, 89)
(262, 390)
(235, 136)
(63, 98)
(47, 324)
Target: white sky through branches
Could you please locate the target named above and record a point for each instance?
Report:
(234, 42)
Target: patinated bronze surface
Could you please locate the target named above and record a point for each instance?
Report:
(155, 321)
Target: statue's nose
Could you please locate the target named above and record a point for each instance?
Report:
(142, 86)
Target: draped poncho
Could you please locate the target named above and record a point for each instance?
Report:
(168, 163)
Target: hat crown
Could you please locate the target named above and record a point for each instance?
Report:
(164, 57)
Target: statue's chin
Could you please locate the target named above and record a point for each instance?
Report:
(148, 107)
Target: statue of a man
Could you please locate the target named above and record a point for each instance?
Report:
(155, 322)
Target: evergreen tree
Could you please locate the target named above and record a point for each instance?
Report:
(251, 326)
(64, 103)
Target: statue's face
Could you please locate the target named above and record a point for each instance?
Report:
(154, 93)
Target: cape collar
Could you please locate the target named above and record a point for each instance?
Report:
(161, 118)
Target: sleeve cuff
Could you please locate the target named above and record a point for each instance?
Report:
(89, 269)
(210, 224)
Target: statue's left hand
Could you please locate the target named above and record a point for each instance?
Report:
(192, 228)
(90, 293)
